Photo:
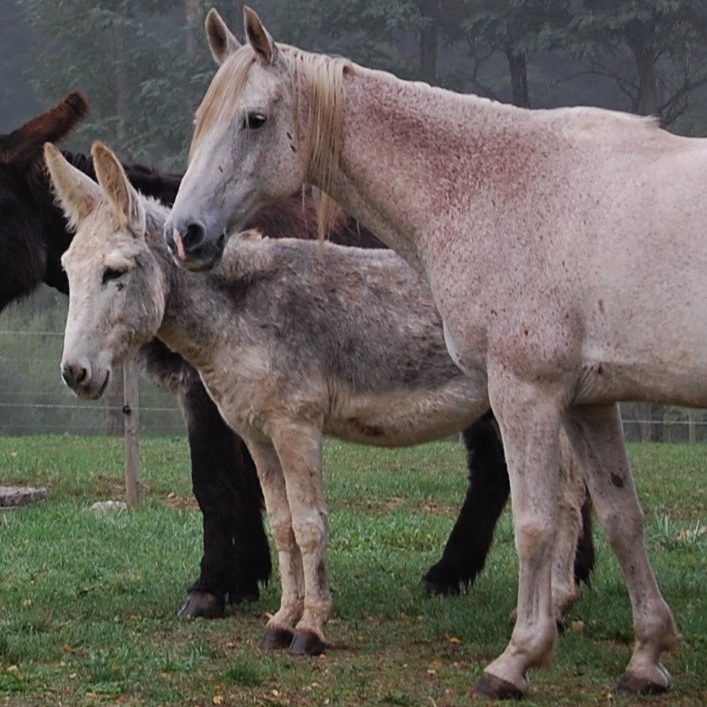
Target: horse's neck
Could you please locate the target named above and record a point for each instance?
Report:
(406, 149)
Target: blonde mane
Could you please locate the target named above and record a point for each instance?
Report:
(317, 82)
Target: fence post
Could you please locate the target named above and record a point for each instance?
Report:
(692, 427)
(132, 442)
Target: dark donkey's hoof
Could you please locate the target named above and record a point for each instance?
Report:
(443, 579)
(203, 605)
(492, 688)
(276, 639)
(306, 643)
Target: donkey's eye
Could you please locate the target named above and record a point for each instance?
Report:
(253, 121)
(112, 274)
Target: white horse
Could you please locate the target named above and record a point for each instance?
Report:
(288, 354)
(566, 251)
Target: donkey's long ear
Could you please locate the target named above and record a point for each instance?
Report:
(258, 36)
(77, 193)
(25, 143)
(221, 42)
(127, 209)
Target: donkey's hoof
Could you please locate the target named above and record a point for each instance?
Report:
(276, 639)
(438, 580)
(306, 643)
(203, 605)
(492, 688)
(631, 684)
(241, 596)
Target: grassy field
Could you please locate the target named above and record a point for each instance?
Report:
(87, 602)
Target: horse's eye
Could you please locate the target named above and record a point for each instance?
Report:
(112, 274)
(253, 121)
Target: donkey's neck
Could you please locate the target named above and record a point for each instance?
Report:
(414, 155)
(190, 298)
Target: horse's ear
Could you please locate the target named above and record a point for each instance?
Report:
(125, 201)
(221, 41)
(77, 193)
(258, 36)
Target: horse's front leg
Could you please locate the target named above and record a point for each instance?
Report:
(529, 419)
(595, 432)
(299, 448)
(279, 630)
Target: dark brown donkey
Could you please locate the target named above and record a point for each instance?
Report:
(236, 557)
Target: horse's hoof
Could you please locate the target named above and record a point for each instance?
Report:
(492, 688)
(276, 639)
(203, 605)
(434, 587)
(306, 643)
(631, 684)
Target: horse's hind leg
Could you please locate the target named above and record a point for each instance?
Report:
(595, 432)
(279, 630)
(299, 448)
(469, 542)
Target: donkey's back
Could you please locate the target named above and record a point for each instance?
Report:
(350, 336)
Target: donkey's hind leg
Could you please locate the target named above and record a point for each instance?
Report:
(279, 630)
(471, 537)
(299, 448)
(595, 432)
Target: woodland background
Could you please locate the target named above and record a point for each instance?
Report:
(145, 65)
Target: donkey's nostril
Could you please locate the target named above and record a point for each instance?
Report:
(75, 375)
(194, 236)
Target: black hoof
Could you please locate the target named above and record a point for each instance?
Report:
(492, 688)
(439, 581)
(203, 605)
(275, 639)
(630, 684)
(241, 596)
(306, 643)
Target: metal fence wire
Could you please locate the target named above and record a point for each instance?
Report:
(33, 399)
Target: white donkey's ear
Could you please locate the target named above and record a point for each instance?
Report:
(221, 41)
(258, 36)
(125, 201)
(77, 193)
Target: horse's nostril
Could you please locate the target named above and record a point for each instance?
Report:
(80, 374)
(194, 236)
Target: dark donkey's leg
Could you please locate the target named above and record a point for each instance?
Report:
(471, 537)
(469, 542)
(236, 553)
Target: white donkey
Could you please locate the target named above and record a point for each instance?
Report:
(292, 342)
(566, 251)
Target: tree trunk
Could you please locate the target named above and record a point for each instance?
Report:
(518, 68)
(429, 41)
(647, 96)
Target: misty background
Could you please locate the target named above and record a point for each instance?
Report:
(145, 65)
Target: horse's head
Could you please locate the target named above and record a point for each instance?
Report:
(32, 233)
(251, 144)
(116, 299)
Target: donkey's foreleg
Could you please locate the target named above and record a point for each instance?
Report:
(280, 628)
(595, 432)
(299, 448)
(529, 419)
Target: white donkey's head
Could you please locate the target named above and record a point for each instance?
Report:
(270, 117)
(116, 289)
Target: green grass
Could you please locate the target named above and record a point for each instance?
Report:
(87, 602)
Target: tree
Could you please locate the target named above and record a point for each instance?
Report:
(653, 49)
(517, 29)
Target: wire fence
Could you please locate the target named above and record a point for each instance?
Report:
(33, 400)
